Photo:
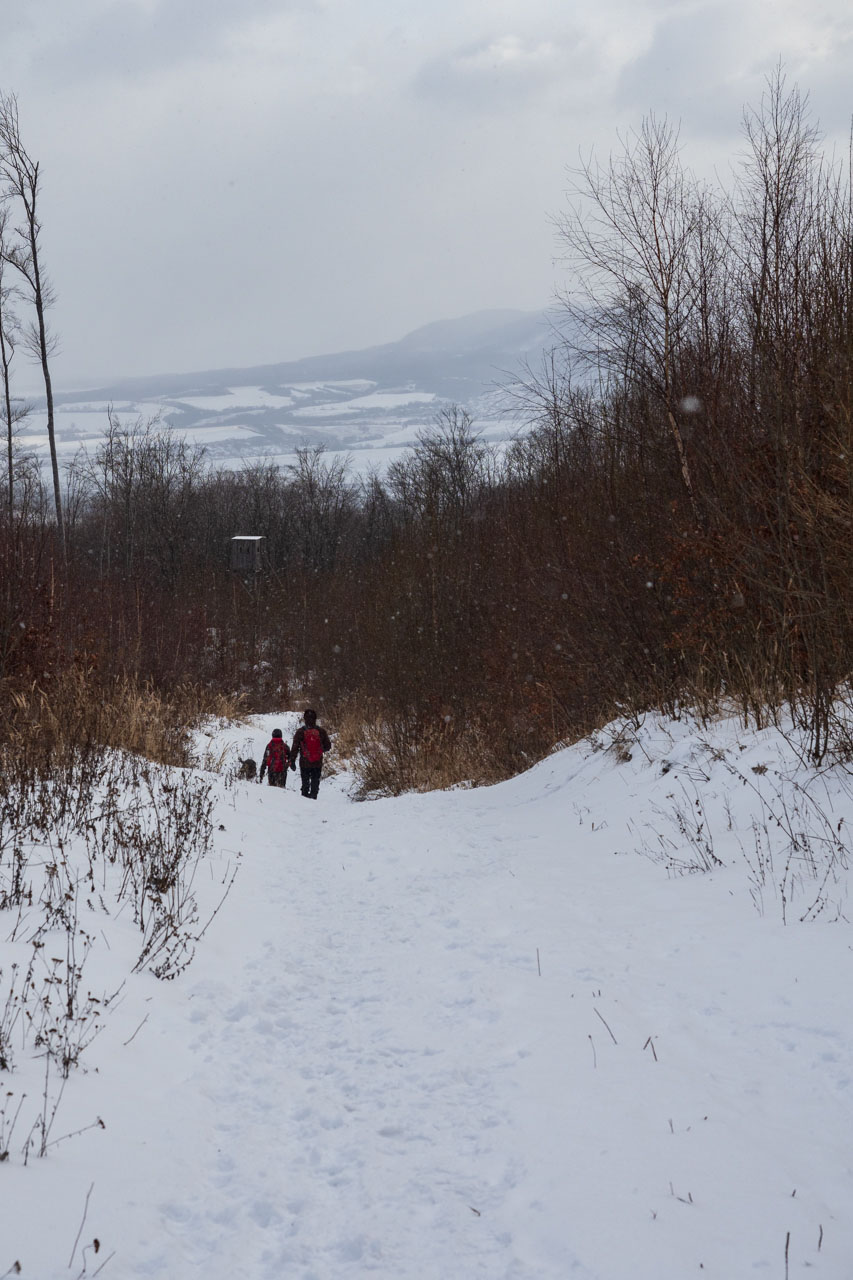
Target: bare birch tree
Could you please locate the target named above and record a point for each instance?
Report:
(630, 236)
(9, 330)
(22, 177)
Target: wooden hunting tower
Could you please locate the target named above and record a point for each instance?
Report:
(246, 555)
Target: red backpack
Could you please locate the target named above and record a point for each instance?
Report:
(276, 759)
(312, 747)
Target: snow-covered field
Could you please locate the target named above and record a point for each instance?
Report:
(380, 400)
(267, 412)
(235, 428)
(500, 1033)
(367, 432)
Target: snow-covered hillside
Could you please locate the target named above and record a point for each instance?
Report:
(512, 1033)
(369, 403)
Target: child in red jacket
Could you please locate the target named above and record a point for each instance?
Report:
(275, 761)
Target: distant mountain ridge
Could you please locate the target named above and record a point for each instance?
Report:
(370, 404)
(467, 355)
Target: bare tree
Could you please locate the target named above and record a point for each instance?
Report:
(22, 176)
(630, 236)
(7, 350)
(9, 329)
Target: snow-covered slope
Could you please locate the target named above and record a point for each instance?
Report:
(371, 402)
(500, 1033)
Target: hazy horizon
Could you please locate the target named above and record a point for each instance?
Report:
(244, 183)
(32, 388)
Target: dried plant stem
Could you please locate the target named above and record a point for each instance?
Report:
(82, 1224)
(610, 1033)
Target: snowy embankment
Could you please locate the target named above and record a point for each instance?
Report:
(498, 1033)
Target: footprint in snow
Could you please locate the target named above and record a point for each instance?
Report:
(237, 1011)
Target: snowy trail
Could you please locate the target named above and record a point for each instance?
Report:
(365, 1073)
(355, 1058)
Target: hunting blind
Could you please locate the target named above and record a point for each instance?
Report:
(246, 554)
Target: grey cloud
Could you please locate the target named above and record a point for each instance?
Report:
(504, 72)
(705, 66)
(687, 74)
(829, 89)
(126, 40)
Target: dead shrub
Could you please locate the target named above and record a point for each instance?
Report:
(76, 709)
(390, 755)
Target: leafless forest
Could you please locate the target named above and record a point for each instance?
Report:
(673, 529)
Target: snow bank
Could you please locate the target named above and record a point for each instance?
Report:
(500, 1033)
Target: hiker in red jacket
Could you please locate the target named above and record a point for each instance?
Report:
(275, 761)
(309, 743)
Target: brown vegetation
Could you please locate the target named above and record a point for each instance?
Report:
(673, 529)
(76, 710)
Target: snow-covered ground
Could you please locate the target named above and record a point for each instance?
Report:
(381, 400)
(269, 412)
(500, 1033)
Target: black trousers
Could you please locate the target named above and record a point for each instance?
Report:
(277, 779)
(310, 779)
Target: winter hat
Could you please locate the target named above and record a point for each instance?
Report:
(276, 733)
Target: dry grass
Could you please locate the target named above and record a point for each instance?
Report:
(77, 710)
(389, 756)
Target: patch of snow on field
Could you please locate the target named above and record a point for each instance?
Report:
(239, 398)
(201, 434)
(379, 400)
(509, 1033)
(86, 424)
(392, 400)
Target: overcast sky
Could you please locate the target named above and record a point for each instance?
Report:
(243, 181)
